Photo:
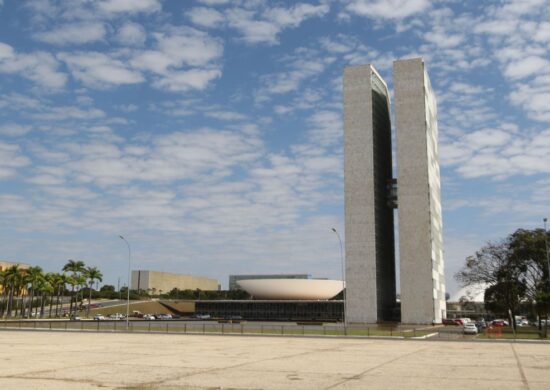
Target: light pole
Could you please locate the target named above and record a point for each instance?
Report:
(128, 296)
(343, 274)
(546, 245)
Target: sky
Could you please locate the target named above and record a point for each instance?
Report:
(209, 133)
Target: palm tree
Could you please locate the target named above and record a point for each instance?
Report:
(3, 283)
(56, 281)
(45, 288)
(92, 274)
(13, 278)
(76, 267)
(33, 277)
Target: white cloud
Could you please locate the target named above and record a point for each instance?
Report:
(326, 127)
(498, 153)
(214, 2)
(97, 69)
(39, 67)
(14, 129)
(526, 67)
(295, 15)
(45, 180)
(11, 159)
(389, 9)
(130, 6)
(59, 113)
(131, 34)
(226, 115)
(73, 34)
(172, 157)
(304, 64)
(267, 25)
(183, 59)
(194, 79)
(205, 17)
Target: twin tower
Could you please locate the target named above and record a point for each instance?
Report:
(372, 194)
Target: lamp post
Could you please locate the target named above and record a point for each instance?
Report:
(546, 245)
(343, 273)
(128, 295)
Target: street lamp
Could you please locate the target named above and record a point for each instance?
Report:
(343, 274)
(546, 245)
(128, 296)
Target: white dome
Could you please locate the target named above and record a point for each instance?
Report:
(301, 289)
(474, 293)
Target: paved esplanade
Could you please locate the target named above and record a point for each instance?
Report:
(42, 360)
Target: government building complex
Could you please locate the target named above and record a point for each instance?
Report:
(372, 193)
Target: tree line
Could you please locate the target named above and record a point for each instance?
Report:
(26, 292)
(516, 271)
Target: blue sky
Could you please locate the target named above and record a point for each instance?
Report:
(209, 133)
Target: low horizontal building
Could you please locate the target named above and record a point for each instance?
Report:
(261, 310)
(234, 279)
(163, 282)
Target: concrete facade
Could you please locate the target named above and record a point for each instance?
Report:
(233, 279)
(370, 257)
(371, 194)
(418, 192)
(164, 282)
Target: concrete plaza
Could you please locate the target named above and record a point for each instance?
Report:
(80, 360)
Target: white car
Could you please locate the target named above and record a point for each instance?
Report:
(149, 317)
(470, 328)
(99, 317)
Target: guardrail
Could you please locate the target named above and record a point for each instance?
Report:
(215, 327)
(243, 327)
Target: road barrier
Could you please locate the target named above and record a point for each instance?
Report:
(243, 327)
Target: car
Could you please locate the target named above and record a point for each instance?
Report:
(116, 316)
(470, 328)
(99, 317)
(163, 316)
(499, 323)
(450, 321)
(481, 324)
(74, 317)
(149, 317)
(202, 316)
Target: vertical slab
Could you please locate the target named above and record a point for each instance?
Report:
(370, 255)
(418, 189)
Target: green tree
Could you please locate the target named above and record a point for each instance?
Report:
(92, 274)
(75, 267)
(14, 281)
(33, 277)
(514, 268)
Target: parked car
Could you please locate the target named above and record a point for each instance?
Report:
(149, 317)
(117, 316)
(470, 328)
(499, 323)
(99, 317)
(163, 316)
(481, 324)
(74, 317)
(452, 321)
(202, 316)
